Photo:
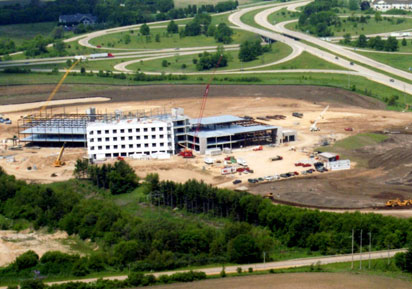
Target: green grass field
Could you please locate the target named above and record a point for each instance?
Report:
(249, 18)
(305, 61)
(22, 32)
(185, 3)
(400, 61)
(116, 40)
(279, 51)
(281, 16)
(372, 27)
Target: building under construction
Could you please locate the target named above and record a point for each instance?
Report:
(147, 132)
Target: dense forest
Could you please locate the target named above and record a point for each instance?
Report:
(251, 225)
(112, 12)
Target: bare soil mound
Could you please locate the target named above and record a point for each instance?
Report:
(336, 96)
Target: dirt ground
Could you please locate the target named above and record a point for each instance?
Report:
(13, 244)
(327, 190)
(297, 281)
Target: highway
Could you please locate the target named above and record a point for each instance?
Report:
(323, 260)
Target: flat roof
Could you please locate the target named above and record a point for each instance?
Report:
(216, 119)
(232, 130)
(328, 155)
(53, 138)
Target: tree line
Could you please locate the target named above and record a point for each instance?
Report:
(377, 43)
(107, 11)
(326, 232)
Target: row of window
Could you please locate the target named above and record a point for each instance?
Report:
(113, 155)
(123, 138)
(130, 130)
(130, 146)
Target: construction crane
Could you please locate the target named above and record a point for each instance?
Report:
(56, 89)
(186, 152)
(58, 162)
(313, 127)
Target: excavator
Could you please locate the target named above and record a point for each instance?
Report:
(58, 162)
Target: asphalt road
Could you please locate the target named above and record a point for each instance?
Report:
(266, 266)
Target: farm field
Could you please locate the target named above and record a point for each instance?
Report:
(297, 280)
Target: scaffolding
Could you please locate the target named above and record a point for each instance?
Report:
(46, 128)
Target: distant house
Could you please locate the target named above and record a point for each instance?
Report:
(75, 19)
(385, 5)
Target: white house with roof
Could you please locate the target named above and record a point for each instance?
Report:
(385, 5)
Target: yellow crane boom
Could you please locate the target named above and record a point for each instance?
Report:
(56, 89)
(58, 162)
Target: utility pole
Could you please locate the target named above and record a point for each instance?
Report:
(360, 256)
(353, 232)
(370, 247)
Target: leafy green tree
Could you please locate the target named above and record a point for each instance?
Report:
(157, 37)
(365, 5)
(362, 41)
(145, 29)
(378, 16)
(60, 47)
(223, 33)
(36, 46)
(27, 260)
(250, 50)
(172, 27)
(165, 63)
(404, 43)
(353, 4)
(243, 249)
(128, 251)
(32, 284)
(391, 44)
(347, 38)
(80, 268)
(58, 32)
(127, 38)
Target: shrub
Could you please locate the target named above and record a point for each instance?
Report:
(32, 284)
(27, 260)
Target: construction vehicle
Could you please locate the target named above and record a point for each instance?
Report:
(258, 148)
(297, 114)
(398, 203)
(58, 162)
(277, 158)
(313, 127)
(268, 196)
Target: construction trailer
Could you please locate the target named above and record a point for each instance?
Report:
(328, 157)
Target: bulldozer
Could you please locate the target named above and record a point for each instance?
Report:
(58, 162)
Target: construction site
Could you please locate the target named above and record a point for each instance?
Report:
(280, 159)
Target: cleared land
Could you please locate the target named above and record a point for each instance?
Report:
(297, 281)
(323, 190)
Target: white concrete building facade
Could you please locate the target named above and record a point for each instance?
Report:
(129, 137)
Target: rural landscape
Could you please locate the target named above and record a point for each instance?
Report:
(208, 143)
